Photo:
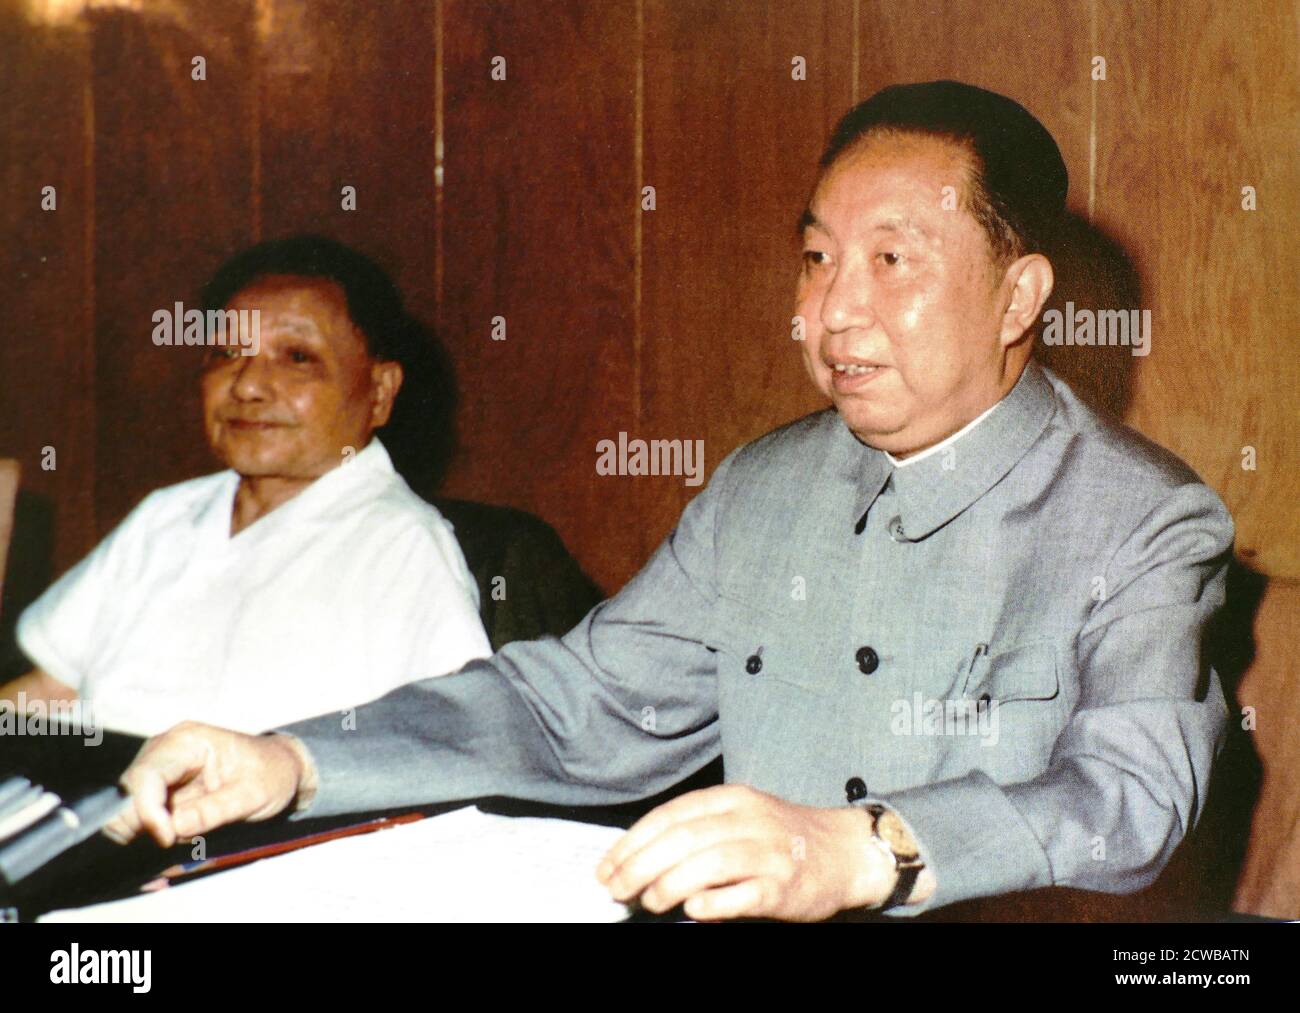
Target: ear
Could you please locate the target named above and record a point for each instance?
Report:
(1027, 284)
(386, 379)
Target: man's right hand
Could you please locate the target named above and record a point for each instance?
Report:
(197, 777)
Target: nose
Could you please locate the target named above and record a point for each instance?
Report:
(847, 303)
(252, 379)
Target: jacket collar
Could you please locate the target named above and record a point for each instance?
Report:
(933, 491)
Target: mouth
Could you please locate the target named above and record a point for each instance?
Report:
(250, 425)
(852, 376)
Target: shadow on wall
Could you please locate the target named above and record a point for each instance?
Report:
(1093, 272)
(1210, 862)
(421, 435)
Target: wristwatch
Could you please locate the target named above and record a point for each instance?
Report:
(890, 835)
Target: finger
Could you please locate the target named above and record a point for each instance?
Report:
(161, 764)
(209, 810)
(123, 828)
(723, 864)
(187, 796)
(188, 792)
(692, 805)
(672, 847)
(750, 898)
(148, 790)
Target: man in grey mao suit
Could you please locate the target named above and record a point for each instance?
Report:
(946, 636)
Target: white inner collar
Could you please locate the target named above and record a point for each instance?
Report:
(922, 455)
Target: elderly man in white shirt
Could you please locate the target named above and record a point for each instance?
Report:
(307, 577)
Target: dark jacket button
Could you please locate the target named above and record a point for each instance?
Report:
(753, 664)
(868, 662)
(855, 788)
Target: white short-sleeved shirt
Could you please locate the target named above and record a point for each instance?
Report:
(351, 588)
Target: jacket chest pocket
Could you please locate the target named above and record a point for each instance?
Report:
(1014, 702)
(777, 701)
(1025, 671)
(759, 647)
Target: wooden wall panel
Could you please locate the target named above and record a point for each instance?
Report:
(1269, 884)
(1032, 51)
(731, 142)
(1193, 109)
(173, 189)
(46, 359)
(539, 200)
(348, 99)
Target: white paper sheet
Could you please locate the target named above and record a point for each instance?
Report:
(465, 865)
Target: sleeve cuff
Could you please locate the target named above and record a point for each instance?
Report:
(972, 838)
(308, 781)
(32, 642)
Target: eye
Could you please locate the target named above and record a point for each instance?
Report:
(300, 357)
(222, 353)
(815, 258)
(890, 259)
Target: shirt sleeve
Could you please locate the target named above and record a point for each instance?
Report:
(61, 632)
(1128, 773)
(446, 631)
(620, 708)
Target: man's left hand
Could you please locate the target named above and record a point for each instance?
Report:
(733, 851)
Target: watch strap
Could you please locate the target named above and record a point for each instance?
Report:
(908, 869)
(907, 876)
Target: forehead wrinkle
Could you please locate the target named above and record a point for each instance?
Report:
(903, 225)
(285, 323)
(888, 156)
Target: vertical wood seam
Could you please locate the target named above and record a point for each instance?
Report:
(857, 51)
(257, 101)
(439, 172)
(88, 441)
(638, 141)
(1092, 114)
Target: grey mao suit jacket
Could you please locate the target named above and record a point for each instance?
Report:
(1002, 641)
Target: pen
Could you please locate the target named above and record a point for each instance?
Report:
(268, 850)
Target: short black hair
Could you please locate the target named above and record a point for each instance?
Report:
(1018, 179)
(374, 303)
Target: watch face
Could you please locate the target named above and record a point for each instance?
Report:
(895, 834)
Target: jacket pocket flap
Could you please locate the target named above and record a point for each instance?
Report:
(768, 645)
(1022, 672)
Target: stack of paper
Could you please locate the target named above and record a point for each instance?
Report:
(462, 866)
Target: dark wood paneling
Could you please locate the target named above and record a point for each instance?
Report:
(731, 143)
(348, 100)
(173, 192)
(539, 203)
(46, 358)
(1270, 877)
(1195, 108)
(1035, 51)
